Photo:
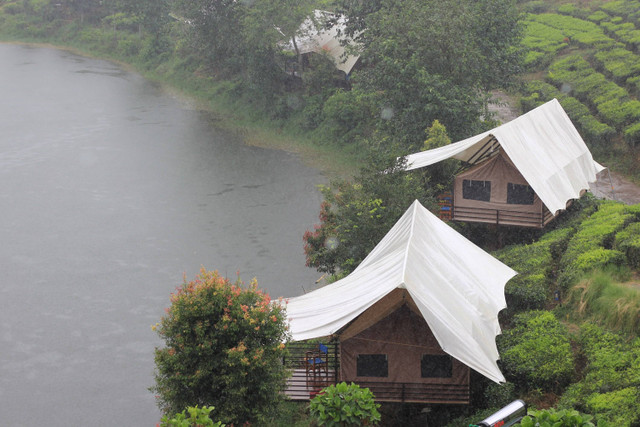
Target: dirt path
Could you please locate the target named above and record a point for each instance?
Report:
(609, 185)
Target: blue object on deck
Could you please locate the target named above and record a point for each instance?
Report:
(324, 350)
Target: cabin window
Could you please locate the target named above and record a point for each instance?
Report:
(519, 194)
(372, 365)
(476, 190)
(436, 366)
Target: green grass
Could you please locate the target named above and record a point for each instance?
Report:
(603, 298)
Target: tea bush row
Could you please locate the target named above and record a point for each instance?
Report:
(585, 33)
(628, 241)
(619, 63)
(595, 133)
(530, 289)
(536, 352)
(629, 9)
(626, 32)
(542, 43)
(611, 384)
(611, 101)
(572, 9)
(592, 245)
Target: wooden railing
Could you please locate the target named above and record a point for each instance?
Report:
(419, 392)
(502, 216)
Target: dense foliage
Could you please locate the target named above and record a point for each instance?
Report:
(427, 60)
(536, 352)
(224, 344)
(193, 416)
(344, 405)
(562, 418)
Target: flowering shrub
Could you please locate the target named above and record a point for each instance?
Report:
(224, 345)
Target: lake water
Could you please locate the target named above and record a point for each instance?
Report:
(111, 191)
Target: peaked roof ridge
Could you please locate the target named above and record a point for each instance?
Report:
(414, 212)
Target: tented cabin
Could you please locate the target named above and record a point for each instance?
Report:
(522, 173)
(313, 39)
(410, 322)
(496, 192)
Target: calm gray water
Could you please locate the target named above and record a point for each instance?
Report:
(110, 191)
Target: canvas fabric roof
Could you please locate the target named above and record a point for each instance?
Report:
(312, 39)
(458, 288)
(545, 147)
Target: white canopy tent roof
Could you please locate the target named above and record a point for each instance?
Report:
(311, 39)
(544, 146)
(458, 288)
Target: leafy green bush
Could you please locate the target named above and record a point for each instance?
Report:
(344, 405)
(224, 345)
(575, 11)
(598, 258)
(499, 395)
(619, 62)
(611, 101)
(609, 388)
(542, 43)
(597, 231)
(619, 407)
(526, 259)
(346, 115)
(583, 32)
(634, 84)
(591, 243)
(628, 241)
(595, 132)
(198, 417)
(625, 31)
(598, 16)
(632, 134)
(526, 292)
(536, 352)
(561, 418)
(619, 112)
(535, 6)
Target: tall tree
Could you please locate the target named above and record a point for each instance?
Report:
(434, 59)
(216, 30)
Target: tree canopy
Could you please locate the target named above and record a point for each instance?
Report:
(431, 59)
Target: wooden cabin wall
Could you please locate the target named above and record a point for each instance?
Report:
(404, 337)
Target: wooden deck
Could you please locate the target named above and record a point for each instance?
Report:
(300, 387)
(304, 383)
(502, 216)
